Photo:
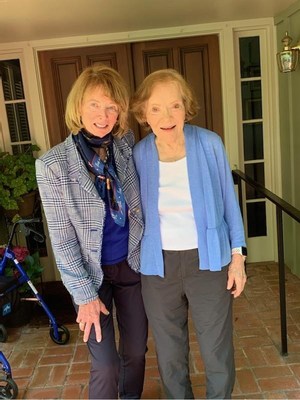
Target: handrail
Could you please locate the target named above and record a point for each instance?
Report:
(281, 206)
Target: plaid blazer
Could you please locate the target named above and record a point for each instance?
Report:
(75, 214)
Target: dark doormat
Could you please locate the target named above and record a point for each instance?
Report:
(59, 303)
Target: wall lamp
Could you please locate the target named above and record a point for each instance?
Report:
(287, 59)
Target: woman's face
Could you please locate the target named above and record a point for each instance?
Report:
(165, 111)
(99, 113)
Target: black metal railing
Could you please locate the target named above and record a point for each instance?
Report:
(281, 206)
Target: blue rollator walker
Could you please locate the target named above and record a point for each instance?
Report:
(8, 387)
(9, 296)
(58, 333)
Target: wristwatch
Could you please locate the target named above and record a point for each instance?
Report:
(240, 250)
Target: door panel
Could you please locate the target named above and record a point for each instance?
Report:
(201, 86)
(65, 72)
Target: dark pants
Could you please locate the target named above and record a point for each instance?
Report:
(167, 301)
(119, 371)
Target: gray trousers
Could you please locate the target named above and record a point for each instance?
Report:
(167, 301)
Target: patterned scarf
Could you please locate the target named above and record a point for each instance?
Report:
(107, 182)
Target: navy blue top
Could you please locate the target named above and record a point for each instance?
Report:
(115, 239)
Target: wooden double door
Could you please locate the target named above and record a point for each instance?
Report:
(196, 58)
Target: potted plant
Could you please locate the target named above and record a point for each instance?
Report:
(17, 180)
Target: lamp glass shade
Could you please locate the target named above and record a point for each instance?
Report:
(287, 60)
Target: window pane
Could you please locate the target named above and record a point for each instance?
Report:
(249, 57)
(17, 122)
(251, 100)
(256, 217)
(10, 71)
(257, 173)
(253, 141)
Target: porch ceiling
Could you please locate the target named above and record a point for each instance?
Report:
(24, 20)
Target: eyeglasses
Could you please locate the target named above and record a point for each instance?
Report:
(108, 109)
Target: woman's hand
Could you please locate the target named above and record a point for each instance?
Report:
(236, 275)
(89, 315)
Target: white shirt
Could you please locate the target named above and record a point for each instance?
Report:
(177, 223)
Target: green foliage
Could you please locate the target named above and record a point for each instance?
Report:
(33, 266)
(17, 177)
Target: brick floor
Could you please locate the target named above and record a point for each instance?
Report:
(44, 370)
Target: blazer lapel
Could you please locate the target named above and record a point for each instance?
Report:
(77, 170)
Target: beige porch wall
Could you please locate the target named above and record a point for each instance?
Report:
(289, 103)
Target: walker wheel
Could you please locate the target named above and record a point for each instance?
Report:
(63, 333)
(8, 388)
(3, 333)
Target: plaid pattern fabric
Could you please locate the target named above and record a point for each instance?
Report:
(75, 214)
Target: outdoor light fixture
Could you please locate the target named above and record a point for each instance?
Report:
(287, 59)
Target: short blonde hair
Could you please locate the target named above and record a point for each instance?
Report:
(144, 91)
(113, 86)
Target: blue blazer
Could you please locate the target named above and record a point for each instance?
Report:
(216, 210)
(75, 214)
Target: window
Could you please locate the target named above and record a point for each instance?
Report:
(252, 128)
(16, 130)
(18, 134)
